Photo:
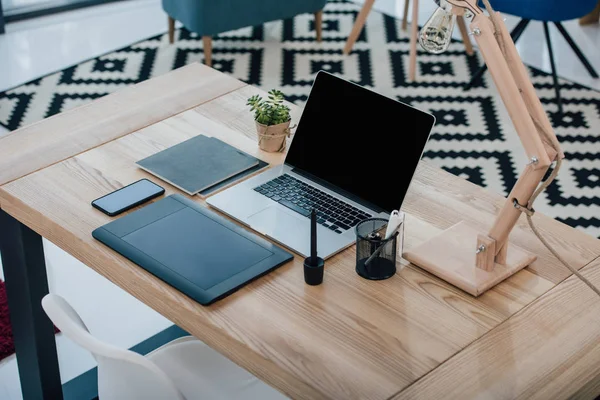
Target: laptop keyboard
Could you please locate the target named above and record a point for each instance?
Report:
(302, 198)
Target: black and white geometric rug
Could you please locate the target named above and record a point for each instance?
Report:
(473, 138)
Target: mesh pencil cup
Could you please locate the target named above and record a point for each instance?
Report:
(375, 255)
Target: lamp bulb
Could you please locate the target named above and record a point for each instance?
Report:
(436, 34)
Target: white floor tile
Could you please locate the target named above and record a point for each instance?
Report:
(36, 47)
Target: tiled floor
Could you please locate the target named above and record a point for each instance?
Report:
(34, 48)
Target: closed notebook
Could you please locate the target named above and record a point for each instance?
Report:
(198, 163)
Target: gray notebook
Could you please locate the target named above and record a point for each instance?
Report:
(198, 164)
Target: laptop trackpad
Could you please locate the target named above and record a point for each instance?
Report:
(292, 230)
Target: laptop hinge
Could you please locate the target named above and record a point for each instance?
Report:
(337, 190)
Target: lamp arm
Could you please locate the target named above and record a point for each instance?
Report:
(453, 259)
(508, 216)
(509, 91)
(521, 77)
(527, 114)
(515, 66)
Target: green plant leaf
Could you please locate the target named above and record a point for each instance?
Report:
(271, 111)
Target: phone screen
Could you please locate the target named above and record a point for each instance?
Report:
(127, 197)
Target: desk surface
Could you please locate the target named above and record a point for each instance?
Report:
(536, 334)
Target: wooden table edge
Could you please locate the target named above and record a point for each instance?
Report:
(542, 297)
(97, 103)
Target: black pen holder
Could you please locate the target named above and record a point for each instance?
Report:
(370, 239)
(313, 273)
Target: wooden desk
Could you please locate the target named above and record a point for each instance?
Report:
(410, 336)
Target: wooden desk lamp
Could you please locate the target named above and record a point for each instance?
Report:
(463, 255)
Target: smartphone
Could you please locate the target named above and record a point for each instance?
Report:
(128, 197)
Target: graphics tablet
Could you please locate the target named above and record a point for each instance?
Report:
(190, 247)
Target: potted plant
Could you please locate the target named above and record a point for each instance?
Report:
(272, 119)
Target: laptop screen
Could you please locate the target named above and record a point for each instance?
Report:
(360, 141)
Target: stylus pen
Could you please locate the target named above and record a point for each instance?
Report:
(380, 248)
(313, 237)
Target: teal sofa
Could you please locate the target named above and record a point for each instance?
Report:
(210, 17)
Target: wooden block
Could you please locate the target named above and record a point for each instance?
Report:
(501, 256)
(485, 252)
(451, 256)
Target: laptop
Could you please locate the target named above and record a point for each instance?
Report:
(352, 157)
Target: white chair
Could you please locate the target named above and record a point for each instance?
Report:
(185, 368)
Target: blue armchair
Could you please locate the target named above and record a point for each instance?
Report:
(210, 17)
(546, 11)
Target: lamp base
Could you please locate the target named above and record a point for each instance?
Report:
(451, 256)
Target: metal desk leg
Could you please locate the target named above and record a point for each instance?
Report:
(1, 19)
(26, 285)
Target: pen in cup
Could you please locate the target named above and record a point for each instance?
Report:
(393, 226)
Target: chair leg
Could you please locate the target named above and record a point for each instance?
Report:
(576, 49)
(358, 25)
(464, 32)
(171, 30)
(405, 17)
(319, 25)
(414, 33)
(515, 35)
(591, 18)
(207, 44)
(554, 77)
(2, 23)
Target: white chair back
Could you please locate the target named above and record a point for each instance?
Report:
(122, 374)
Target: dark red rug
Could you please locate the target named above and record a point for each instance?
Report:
(7, 344)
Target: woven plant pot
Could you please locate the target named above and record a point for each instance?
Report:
(272, 138)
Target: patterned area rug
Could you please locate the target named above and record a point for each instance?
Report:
(473, 138)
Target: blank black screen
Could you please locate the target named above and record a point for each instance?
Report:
(118, 200)
(362, 142)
